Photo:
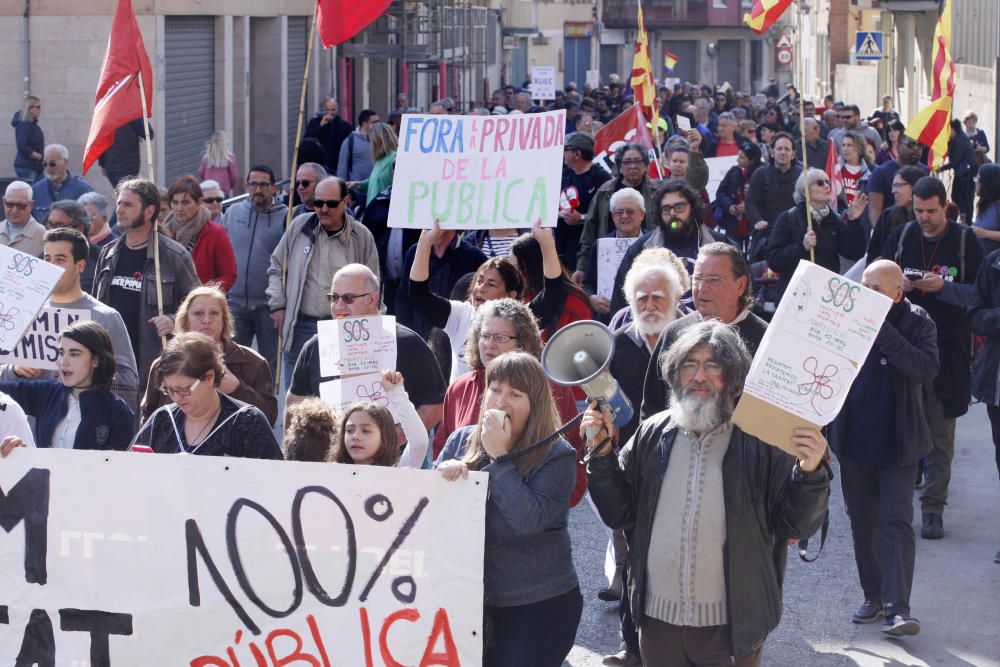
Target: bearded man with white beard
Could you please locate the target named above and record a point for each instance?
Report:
(706, 505)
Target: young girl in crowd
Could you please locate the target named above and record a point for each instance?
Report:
(368, 436)
(309, 436)
(78, 411)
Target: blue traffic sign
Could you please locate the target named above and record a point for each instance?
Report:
(868, 46)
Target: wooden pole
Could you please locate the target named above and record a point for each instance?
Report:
(155, 231)
(800, 65)
(291, 188)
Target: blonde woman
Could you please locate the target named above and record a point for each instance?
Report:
(30, 140)
(384, 143)
(218, 163)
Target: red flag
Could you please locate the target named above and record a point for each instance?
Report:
(627, 128)
(339, 20)
(764, 13)
(118, 100)
(832, 172)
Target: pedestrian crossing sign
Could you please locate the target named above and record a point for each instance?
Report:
(868, 46)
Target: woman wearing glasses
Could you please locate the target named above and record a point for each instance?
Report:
(30, 140)
(202, 419)
(190, 224)
(831, 236)
(246, 376)
(77, 411)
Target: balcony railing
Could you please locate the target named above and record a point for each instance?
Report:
(675, 13)
(519, 16)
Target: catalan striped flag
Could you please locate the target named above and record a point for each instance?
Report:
(641, 80)
(669, 61)
(931, 125)
(764, 13)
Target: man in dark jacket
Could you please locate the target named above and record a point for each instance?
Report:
(330, 130)
(984, 315)
(880, 436)
(771, 191)
(717, 593)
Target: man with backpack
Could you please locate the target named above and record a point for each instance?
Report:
(940, 260)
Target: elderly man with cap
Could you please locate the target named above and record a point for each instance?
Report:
(880, 436)
(580, 180)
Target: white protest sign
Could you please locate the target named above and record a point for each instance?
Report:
(594, 78)
(819, 337)
(353, 345)
(25, 285)
(474, 172)
(39, 347)
(543, 83)
(683, 123)
(203, 562)
(718, 167)
(610, 253)
(343, 391)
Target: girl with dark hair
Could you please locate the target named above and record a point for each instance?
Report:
(202, 419)
(730, 209)
(900, 213)
(889, 149)
(78, 411)
(532, 604)
(369, 436)
(987, 225)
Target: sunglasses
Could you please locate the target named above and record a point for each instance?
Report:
(821, 182)
(346, 298)
(329, 203)
(303, 184)
(17, 206)
(50, 163)
(212, 200)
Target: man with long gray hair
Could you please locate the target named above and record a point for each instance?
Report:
(717, 590)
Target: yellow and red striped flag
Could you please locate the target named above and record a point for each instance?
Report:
(931, 126)
(641, 80)
(764, 13)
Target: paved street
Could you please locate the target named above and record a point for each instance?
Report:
(955, 595)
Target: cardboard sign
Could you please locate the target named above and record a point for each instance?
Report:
(355, 345)
(343, 391)
(39, 347)
(594, 78)
(125, 559)
(819, 337)
(610, 253)
(25, 285)
(474, 172)
(543, 83)
(718, 167)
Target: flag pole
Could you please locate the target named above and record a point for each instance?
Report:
(291, 190)
(155, 231)
(800, 66)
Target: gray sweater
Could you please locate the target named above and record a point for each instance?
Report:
(254, 235)
(361, 162)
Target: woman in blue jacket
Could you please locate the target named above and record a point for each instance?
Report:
(532, 598)
(78, 411)
(30, 140)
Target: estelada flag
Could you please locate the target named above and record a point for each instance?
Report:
(764, 13)
(118, 100)
(931, 126)
(339, 20)
(669, 60)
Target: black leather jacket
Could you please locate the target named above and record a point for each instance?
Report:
(768, 500)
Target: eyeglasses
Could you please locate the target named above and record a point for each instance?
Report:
(667, 209)
(303, 184)
(631, 162)
(171, 392)
(16, 205)
(625, 211)
(50, 163)
(900, 186)
(498, 338)
(212, 200)
(257, 185)
(711, 281)
(712, 369)
(346, 298)
(329, 203)
(820, 182)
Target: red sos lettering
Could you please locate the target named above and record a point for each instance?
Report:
(841, 294)
(356, 331)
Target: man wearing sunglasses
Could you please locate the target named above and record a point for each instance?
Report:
(307, 176)
(850, 119)
(20, 230)
(880, 184)
(255, 226)
(354, 292)
(302, 266)
(57, 183)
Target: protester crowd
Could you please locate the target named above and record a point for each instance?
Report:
(196, 312)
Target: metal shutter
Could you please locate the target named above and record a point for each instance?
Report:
(298, 44)
(189, 92)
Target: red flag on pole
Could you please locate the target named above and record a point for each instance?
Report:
(339, 20)
(118, 101)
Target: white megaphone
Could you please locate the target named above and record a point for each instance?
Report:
(578, 355)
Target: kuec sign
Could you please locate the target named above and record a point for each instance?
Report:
(133, 559)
